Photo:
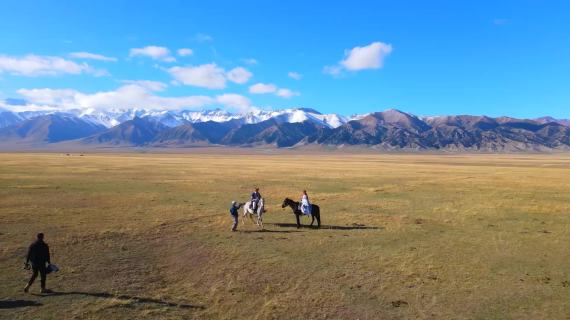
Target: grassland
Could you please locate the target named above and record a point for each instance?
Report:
(404, 236)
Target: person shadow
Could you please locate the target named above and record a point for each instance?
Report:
(13, 304)
(125, 297)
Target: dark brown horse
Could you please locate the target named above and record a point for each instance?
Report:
(294, 205)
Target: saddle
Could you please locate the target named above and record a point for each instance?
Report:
(306, 210)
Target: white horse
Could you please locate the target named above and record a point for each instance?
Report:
(247, 211)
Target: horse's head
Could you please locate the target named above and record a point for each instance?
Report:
(285, 202)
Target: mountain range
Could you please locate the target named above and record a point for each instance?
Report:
(387, 130)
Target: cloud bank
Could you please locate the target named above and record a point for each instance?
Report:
(92, 56)
(184, 52)
(265, 88)
(153, 52)
(210, 76)
(34, 66)
(133, 94)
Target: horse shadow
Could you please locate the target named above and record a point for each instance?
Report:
(329, 227)
(12, 304)
(268, 231)
(140, 300)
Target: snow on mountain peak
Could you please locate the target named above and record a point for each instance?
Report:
(172, 118)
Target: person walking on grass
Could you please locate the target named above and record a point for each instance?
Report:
(234, 213)
(38, 256)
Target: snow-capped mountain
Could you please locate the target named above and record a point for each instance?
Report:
(173, 118)
(390, 129)
(299, 115)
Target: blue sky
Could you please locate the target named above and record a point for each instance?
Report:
(424, 57)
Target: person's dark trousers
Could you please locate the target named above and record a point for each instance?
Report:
(41, 269)
(234, 226)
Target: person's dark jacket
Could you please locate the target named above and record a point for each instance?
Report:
(255, 196)
(38, 253)
(234, 210)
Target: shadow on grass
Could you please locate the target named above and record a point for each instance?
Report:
(268, 231)
(329, 227)
(12, 304)
(126, 297)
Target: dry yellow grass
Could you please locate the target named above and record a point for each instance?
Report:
(147, 236)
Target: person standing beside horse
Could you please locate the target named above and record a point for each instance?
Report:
(235, 213)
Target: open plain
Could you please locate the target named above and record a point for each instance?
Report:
(403, 237)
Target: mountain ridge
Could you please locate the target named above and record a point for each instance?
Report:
(388, 130)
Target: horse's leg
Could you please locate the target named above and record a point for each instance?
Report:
(260, 220)
(298, 221)
(318, 213)
(244, 216)
(312, 219)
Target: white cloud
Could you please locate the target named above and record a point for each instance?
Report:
(33, 66)
(133, 95)
(52, 97)
(368, 57)
(239, 75)
(249, 61)
(185, 52)
(100, 72)
(361, 58)
(262, 88)
(27, 107)
(148, 84)
(209, 76)
(92, 56)
(332, 70)
(295, 75)
(205, 76)
(153, 52)
(286, 93)
(233, 100)
(201, 37)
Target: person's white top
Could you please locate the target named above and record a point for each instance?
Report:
(305, 205)
(305, 200)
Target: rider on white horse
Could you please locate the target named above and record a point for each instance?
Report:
(305, 204)
(255, 197)
(247, 211)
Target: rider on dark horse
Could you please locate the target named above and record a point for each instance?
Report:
(305, 205)
(255, 197)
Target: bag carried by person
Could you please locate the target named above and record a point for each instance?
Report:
(52, 268)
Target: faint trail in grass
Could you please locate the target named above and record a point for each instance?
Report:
(129, 298)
